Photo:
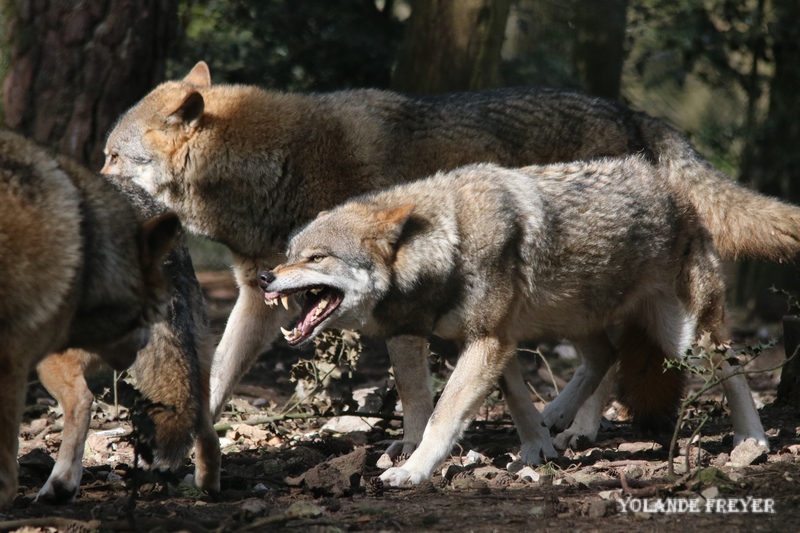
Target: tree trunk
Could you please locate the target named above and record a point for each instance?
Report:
(451, 45)
(74, 67)
(599, 45)
(774, 164)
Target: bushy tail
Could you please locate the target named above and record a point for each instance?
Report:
(650, 395)
(742, 222)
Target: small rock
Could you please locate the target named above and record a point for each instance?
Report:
(112, 476)
(384, 462)
(528, 474)
(598, 509)
(253, 508)
(474, 458)
(721, 460)
(260, 488)
(633, 447)
(710, 493)
(748, 453)
(37, 460)
(515, 466)
(634, 471)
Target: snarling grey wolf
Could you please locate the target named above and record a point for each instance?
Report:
(246, 167)
(488, 257)
(172, 371)
(78, 269)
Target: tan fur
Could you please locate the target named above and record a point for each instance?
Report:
(487, 257)
(77, 269)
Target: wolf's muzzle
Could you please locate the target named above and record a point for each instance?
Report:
(265, 278)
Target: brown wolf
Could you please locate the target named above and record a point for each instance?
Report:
(487, 257)
(173, 370)
(245, 167)
(79, 269)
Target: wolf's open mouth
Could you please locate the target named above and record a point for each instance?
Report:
(319, 303)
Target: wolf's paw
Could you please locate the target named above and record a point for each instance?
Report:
(538, 452)
(757, 434)
(569, 437)
(56, 492)
(401, 447)
(401, 476)
(555, 418)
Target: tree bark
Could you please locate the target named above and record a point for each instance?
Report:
(599, 45)
(451, 45)
(74, 67)
(773, 165)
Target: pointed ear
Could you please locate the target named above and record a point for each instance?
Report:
(158, 237)
(200, 76)
(189, 111)
(321, 214)
(390, 221)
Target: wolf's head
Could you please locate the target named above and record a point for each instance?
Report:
(340, 266)
(149, 142)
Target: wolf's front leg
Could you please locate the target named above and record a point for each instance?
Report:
(62, 374)
(476, 373)
(536, 443)
(598, 354)
(409, 356)
(251, 329)
(13, 380)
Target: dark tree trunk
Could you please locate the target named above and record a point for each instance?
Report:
(74, 67)
(451, 45)
(773, 164)
(599, 45)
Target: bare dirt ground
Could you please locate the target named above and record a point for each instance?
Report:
(301, 472)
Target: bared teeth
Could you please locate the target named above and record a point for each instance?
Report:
(286, 332)
(322, 304)
(315, 291)
(285, 302)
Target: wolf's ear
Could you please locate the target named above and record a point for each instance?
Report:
(189, 111)
(390, 221)
(322, 214)
(200, 76)
(159, 235)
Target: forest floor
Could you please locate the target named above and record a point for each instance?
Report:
(307, 470)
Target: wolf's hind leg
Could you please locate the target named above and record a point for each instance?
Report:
(744, 415)
(598, 355)
(409, 356)
(587, 421)
(533, 434)
(62, 374)
(251, 327)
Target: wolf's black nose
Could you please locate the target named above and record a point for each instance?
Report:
(265, 278)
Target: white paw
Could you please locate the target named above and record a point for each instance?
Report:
(56, 491)
(401, 476)
(538, 452)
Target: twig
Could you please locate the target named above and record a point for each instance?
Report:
(691, 440)
(544, 360)
(295, 416)
(652, 490)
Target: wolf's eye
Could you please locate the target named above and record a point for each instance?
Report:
(113, 158)
(316, 258)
